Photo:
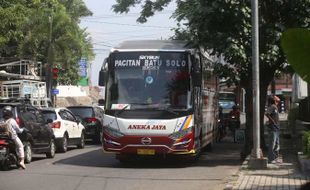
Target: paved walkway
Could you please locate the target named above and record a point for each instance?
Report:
(284, 175)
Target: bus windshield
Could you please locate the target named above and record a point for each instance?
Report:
(148, 80)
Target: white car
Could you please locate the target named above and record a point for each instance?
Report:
(67, 128)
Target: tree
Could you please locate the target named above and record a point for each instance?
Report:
(62, 42)
(13, 14)
(224, 28)
(46, 31)
(296, 45)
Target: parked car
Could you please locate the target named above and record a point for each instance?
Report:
(40, 136)
(92, 118)
(67, 128)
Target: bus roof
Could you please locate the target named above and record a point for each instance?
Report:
(152, 45)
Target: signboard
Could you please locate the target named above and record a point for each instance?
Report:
(83, 67)
(55, 91)
(27, 90)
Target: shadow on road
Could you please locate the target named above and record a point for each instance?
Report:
(224, 153)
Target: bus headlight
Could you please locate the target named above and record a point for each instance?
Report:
(180, 134)
(113, 132)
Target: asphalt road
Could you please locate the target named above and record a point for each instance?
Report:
(90, 168)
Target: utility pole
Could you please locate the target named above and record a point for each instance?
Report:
(257, 161)
(50, 59)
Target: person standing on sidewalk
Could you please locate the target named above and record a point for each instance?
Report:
(272, 114)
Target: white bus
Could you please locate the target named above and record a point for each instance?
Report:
(159, 99)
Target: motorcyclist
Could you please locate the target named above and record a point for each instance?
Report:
(14, 130)
(234, 120)
(234, 114)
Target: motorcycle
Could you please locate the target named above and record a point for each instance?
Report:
(8, 156)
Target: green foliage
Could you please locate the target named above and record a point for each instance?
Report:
(296, 45)
(12, 18)
(46, 29)
(148, 8)
(224, 28)
(306, 143)
(69, 76)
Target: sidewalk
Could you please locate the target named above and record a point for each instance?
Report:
(285, 175)
(278, 176)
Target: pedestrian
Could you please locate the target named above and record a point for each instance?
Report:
(14, 129)
(272, 114)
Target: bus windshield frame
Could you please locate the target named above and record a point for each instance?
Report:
(149, 80)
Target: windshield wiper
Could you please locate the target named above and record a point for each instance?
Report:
(120, 111)
(168, 109)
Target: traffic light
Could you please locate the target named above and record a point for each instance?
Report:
(55, 72)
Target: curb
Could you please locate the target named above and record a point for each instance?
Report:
(303, 163)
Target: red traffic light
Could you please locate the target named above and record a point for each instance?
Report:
(55, 70)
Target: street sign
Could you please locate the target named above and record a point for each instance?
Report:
(55, 91)
(83, 67)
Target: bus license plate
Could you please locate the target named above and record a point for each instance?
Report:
(146, 152)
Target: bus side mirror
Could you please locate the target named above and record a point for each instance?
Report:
(101, 102)
(196, 72)
(102, 76)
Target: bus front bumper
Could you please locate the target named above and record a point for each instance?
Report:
(149, 145)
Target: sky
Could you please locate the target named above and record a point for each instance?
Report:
(107, 29)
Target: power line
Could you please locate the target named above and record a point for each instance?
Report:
(100, 44)
(124, 15)
(121, 24)
(123, 31)
(133, 36)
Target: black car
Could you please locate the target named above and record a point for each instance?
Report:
(92, 119)
(39, 137)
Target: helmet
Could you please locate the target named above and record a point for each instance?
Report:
(7, 112)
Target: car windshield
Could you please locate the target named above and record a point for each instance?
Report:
(227, 104)
(49, 115)
(82, 112)
(148, 80)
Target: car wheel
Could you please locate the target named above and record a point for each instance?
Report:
(82, 141)
(28, 152)
(52, 149)
(63, 147)
(5, 165)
